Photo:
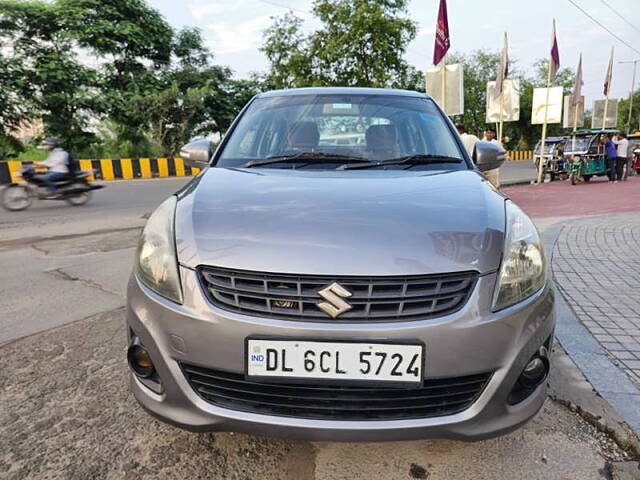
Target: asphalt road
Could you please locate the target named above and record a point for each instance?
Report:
(118, 204)
(518, 172)
(67, 413)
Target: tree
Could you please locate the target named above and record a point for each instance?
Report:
(50, 82)
(13, 90)
(623, 113)
(361, 43)
(287, 50)
(133, 41)
(479, 68)
(173, 115)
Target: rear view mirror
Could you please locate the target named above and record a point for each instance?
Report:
(197, 154)
(489, 156)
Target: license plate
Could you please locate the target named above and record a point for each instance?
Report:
(343, 361)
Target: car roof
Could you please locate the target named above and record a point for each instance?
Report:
(588, 131)
(342, 91)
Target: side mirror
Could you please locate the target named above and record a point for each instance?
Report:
(489, 156)
(197, 154)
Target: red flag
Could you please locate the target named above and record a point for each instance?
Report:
(607, 80)
(442, 34)
(555, 54)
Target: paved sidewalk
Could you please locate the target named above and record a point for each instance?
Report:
(596, 265)
(561, 199)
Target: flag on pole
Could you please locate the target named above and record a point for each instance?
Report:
(555, 54)
(442, 34)
(576, 96)
(503, 69)
(607, 80)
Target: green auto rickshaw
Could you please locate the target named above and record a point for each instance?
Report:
(586, 155)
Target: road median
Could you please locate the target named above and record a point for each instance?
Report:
(114, 168)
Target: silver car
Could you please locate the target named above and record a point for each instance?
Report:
(341, 270)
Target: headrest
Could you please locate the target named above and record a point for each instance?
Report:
(381, 137)
(304, 135)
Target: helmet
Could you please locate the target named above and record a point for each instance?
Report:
(50, 143)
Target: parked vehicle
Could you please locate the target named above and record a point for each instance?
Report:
(634, 151)
(379, 290)
(586, 154)
(75, 189)
(554, 163)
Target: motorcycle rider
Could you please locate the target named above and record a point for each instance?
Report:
(57, 164)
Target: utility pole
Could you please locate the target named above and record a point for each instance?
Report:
(633, 86)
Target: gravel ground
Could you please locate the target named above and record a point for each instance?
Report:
(67, 414)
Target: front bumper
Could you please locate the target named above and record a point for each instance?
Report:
(471, 341)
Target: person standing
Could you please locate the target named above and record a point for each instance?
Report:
(490, 136)
(492, 175)
(623, 155)
(468, 140)
(612, 156)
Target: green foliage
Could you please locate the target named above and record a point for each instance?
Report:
(49, 80)
(118, 64)
(32, 154)
(361, 43)
(10, 147)
(174, 113)
(287, 50)
(623, 114)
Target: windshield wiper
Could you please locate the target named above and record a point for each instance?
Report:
(306, 157)
(417, 159)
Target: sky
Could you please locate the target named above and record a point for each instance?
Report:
(233, 30)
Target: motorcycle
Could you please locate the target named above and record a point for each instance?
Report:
(75, 189)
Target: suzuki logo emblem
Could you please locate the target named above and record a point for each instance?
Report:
(334, 295)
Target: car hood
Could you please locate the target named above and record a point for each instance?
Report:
(339, 222)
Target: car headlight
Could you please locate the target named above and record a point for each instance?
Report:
(523, 269)
(156, 262)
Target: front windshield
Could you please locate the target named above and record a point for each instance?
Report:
(548, 148)
(360, 127)
(582, 144)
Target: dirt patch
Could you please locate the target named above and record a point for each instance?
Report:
(67, 413)
(90, 243)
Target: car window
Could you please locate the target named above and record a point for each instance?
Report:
(373, 127)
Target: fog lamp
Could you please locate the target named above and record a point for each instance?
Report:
(140, 361)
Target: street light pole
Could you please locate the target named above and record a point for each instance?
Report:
(633, 85)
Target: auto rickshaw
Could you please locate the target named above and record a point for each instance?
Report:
(634, 152)
(586, 155)
(554, 163)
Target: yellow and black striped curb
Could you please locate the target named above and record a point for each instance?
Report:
(114, 168)
(520, 154)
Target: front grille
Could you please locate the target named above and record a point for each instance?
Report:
(435, 398)
(374, 299)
